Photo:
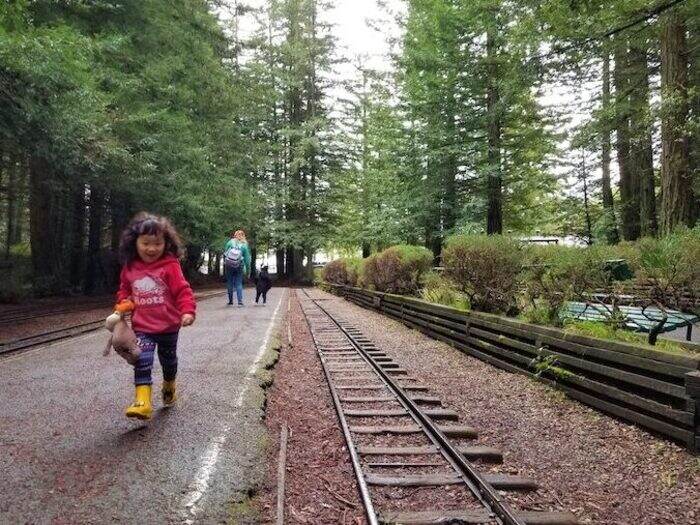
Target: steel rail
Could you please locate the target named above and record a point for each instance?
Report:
(24, 343)
(372, 517)
(27, 313)
(481, 489)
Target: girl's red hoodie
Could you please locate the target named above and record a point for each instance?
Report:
(160, 293)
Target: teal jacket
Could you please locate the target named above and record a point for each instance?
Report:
(244, 249)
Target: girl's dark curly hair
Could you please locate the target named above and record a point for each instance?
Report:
(145, 223)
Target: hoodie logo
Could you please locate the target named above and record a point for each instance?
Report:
(148, 291)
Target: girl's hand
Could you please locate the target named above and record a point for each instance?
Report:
(187, 319)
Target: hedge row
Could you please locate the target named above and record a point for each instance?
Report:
(500, 274)
(398, 269)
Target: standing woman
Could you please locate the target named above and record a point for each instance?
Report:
(236, 264)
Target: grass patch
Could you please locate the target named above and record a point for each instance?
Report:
(267, 362)
(605, 331)
(244, 512)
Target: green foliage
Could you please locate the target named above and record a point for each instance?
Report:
(671, 263)
(548, 365)
(486, 268)
(16, 272)
(609, 332)
(437, 289)
(397, 269)
(556, 274)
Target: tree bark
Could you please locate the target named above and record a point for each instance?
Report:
(279, 256)
(11, 170)
(47, 228)
(94, 275)
(641, 153)
(629, 191)
(586, 205)
(77, 255)
(366, 249)
(611, 233)
(494, 181)
(120, 213)
(694, 104)
(676, 184)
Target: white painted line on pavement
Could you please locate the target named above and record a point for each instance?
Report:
(211, 454)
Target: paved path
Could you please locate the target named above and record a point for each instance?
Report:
(68, 454)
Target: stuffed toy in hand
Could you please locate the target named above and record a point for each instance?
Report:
(123, 338)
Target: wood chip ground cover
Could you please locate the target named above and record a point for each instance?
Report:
(604, 470)
(320, 484)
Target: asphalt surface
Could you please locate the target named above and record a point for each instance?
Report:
(69, 455)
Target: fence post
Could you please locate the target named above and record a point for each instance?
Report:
(692, 388)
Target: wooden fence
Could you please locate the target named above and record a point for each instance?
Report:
(654, 389)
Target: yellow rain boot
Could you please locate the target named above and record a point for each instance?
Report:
(141, 407)
(168, 391)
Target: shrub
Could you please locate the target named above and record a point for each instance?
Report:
(342, 271)
(556, 274)
(397, 269)
(354, 268)
(486, 268)
(439, 290)
(670, 265)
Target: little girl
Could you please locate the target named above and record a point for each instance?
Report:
(163, 302)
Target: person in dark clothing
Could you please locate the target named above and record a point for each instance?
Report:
(262, 285)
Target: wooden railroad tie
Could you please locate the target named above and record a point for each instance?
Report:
(451, 431)
(473, 517)
(487, 454)
(497, 481)
(433, 413)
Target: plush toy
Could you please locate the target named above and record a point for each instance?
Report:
(123, 338)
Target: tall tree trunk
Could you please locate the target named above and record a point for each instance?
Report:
(676, 184)
(494, 184)
(366, 249)
(611, 234)
(48, 230)
(210, 261)
(309, 270)
(120, 207)
(22, 176)
(449, 182)
(586, 204)
(694, 104)
(289, 262)
(279, 259)
(77, 255)
(11, 170)
(298, 266)
(94, 274)
(641, 153)
(253, 257)
(629, 191)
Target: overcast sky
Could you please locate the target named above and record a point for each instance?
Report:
(355, 37)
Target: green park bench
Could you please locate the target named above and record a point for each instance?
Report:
(635, 318)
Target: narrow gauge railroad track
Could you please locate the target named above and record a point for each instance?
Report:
(26, 313)
(401, 457)
(51, 336)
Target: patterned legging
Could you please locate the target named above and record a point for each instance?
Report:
(167, 355)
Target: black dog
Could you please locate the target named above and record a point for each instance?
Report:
(262, 284)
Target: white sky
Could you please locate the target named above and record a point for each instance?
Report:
(349, 19)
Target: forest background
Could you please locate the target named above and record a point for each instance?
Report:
(111, 107)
